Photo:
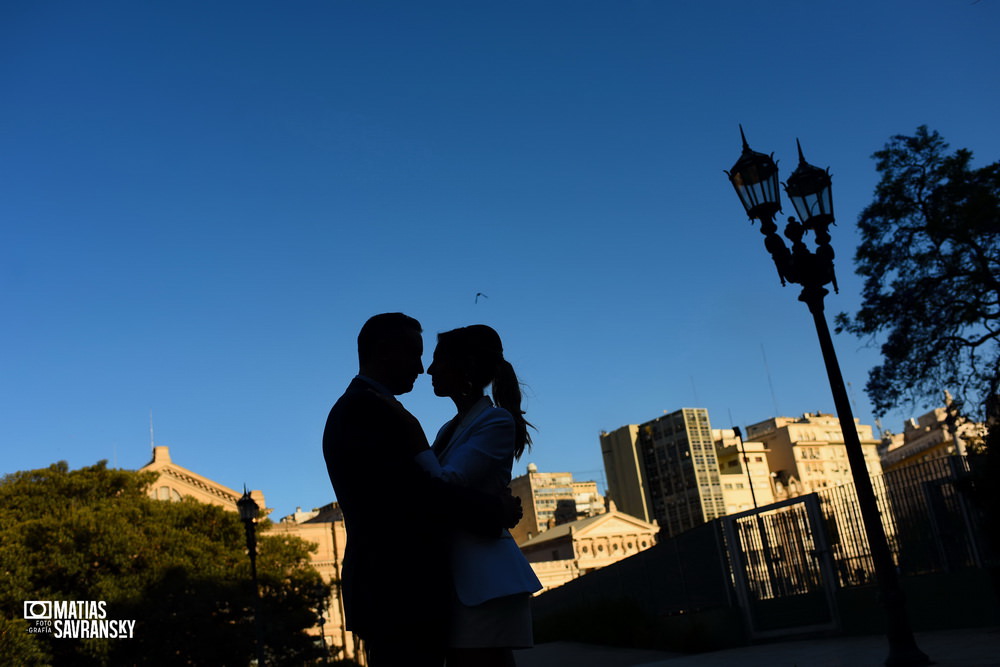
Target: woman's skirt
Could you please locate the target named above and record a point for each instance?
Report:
(500, 622)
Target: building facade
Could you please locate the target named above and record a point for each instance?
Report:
(682, 470)
(666, 470)
(929, 436)
(175, 482)
(679, 472)
(570, 550)
(550, 499)
(325, 528)
(744, 472)
(809, 452)
(626, 473)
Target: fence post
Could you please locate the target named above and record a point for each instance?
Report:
(959, 470)
(825, 558)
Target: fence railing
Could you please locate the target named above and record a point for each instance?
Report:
(797, 549)
(930, 521)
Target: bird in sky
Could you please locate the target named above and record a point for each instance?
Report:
(480, 294)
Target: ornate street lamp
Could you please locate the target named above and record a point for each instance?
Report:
(249, 511)
(810, 189)
(754, 176)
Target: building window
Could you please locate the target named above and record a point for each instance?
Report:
(167, 493)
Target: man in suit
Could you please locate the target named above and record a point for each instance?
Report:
(396, 576)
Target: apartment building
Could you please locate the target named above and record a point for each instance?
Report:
(550, 499)
(810, 450)
(671, 461)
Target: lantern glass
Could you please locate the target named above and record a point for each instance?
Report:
(811, 191)
(249, 510)
(755, 179)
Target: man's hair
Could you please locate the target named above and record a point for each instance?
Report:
(379, 328)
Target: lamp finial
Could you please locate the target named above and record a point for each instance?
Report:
(746, 146)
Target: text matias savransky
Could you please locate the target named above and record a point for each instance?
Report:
(80, 619)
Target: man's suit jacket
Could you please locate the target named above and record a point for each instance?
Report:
(479, 454)
(396, 578)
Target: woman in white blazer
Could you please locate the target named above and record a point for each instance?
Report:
(477, 448)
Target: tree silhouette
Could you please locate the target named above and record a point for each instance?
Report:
(178, 568)
(930, 257)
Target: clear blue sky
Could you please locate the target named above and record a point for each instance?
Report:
(201, 202)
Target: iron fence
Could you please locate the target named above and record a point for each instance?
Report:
(930, 521)
(781, 564)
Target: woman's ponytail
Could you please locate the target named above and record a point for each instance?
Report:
(507, 395)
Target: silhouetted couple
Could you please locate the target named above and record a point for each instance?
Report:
(430, 569)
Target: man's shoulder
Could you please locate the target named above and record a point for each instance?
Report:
(358, 392)
(356, 409)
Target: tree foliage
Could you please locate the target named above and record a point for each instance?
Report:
(180, 569)
(930, 258)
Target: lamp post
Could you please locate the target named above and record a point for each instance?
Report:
(249, 511)
(755, 178)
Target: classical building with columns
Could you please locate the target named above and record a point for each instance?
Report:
(570, 550)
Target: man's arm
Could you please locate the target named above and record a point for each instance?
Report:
(486, 514)
(401, 437)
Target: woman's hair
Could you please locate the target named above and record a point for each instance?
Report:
(478, 347)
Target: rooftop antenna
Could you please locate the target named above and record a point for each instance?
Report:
(152, 447)
(770, 385)
(854, 402)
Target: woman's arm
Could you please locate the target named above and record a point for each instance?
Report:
(484, 454)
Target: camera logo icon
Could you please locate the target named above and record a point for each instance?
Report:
(36, 610)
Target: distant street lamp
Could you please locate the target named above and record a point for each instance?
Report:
(755, 178)
(249, 511)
